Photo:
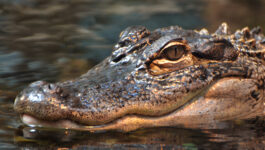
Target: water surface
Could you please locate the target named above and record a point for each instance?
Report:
(56, 40)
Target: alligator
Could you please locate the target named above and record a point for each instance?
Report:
(166, 77)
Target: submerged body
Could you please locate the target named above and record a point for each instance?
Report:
(167, 77)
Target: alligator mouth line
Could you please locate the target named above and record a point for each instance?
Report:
(35, 122)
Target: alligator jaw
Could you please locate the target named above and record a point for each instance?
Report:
(34, 122)
(203, 111)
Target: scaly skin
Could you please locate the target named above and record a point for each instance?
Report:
(207, 79)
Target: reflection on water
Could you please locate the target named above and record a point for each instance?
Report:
(237, 137)
(56, 40)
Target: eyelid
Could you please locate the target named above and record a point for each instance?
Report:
(175, 43)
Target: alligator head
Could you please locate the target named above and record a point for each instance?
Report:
(166, 77)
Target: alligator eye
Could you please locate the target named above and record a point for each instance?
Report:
(175, 55)
(173, 52)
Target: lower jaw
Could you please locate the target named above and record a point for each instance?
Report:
(34, 122)
(128, 123)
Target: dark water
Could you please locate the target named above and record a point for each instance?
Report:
(56, 40)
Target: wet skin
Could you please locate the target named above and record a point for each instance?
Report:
(166, 77)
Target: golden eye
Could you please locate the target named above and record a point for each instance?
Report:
(173, 52)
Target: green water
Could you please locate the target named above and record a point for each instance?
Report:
(55, 40)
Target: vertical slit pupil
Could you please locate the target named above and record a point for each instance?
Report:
(174, 52)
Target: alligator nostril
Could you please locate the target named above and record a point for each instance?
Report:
(58, 90)
(51, 86)
(64, 95)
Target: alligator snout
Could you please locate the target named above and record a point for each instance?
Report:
(35, 92)
(38, 91)
(40, 98)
